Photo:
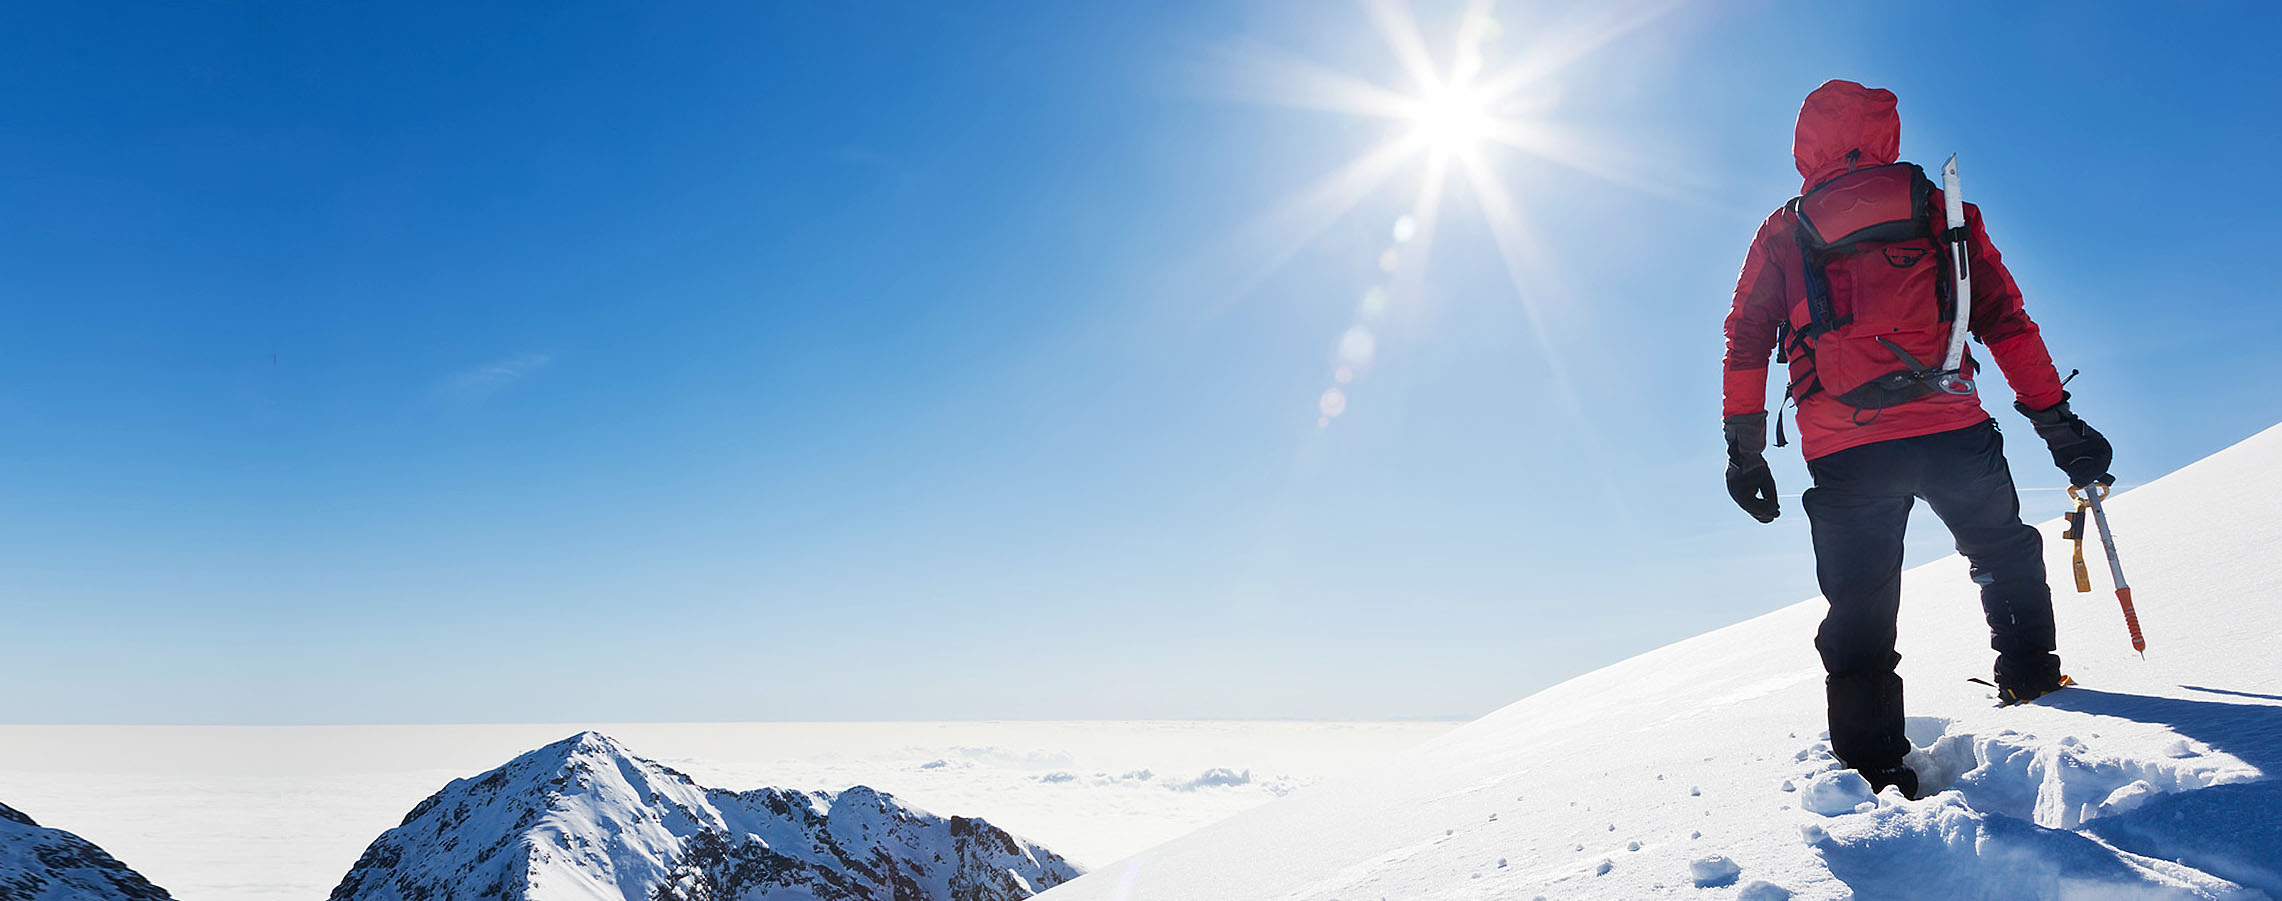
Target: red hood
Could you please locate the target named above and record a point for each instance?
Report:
(1839, 118)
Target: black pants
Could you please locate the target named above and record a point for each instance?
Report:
(1858, 508)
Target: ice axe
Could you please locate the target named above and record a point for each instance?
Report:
(1953, 380)
(2090, 498)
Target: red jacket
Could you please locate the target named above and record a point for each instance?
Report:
(1843, 126)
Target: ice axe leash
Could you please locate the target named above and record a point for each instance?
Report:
(2090, 498)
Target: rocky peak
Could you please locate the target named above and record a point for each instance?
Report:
(41, 864)
(583, 817)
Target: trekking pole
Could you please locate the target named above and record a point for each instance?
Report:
(2092, 496)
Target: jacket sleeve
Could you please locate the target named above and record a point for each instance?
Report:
(2001, 322)
(1751, 322)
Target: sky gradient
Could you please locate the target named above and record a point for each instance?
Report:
(884, 361)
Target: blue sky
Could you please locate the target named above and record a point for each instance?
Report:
(878, 361)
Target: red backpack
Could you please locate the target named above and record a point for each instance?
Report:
(1875, 324)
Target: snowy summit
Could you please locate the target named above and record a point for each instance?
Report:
(41, 864)
(1701, 769)
(584, 819)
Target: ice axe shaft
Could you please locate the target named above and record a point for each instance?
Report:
(1960, 268)
(2092, 496)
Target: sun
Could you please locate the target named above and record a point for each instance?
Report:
(1455, 115)
(1456, 112)
(1451, 119)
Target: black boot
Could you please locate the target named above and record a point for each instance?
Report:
(1866, 726)
(1898, 776)
(2024, 692)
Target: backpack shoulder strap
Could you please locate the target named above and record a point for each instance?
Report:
(1822, 316)
(1936, 226)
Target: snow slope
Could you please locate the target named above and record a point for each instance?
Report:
(1698, 769)
(583, 819)
(40, 864)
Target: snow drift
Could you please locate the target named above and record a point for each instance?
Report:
(1699, 769)
(584, 819)
(42, 864)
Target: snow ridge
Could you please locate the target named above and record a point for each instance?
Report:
(1694, 770)
(41, 864)
(584, 819)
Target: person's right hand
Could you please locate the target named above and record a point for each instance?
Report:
(2079, 451)
(1749, 480)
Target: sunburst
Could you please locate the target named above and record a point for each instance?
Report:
(1454, 113)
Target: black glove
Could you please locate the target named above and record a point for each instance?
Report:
(1748, 479)
(2076, 448)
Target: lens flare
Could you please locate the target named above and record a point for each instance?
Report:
(1374, 302)
(1357, 347)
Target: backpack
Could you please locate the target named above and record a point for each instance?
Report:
(1874, 327)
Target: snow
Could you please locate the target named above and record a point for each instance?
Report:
(247, 813)
(1836, 792)
(1762, 890)
(1713, 870)
(2152, 779)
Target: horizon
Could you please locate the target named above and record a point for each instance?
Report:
(885, 363)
